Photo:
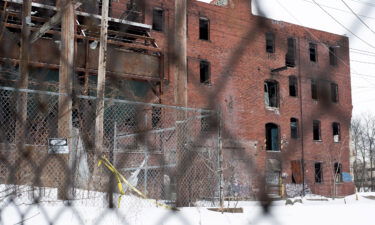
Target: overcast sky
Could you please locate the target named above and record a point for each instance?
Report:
(361, 33)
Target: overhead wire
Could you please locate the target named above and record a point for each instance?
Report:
(347, 29)
(359, 18)
(317, 39)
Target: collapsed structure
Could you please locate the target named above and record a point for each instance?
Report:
(283, 91)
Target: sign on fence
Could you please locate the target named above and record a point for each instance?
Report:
(58, 146)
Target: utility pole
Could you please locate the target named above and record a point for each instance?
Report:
(180, 78)
(101, 77)
(66, 73)
(24, 76)
(100, 91)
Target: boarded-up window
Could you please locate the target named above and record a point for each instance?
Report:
(314, 89)
(270, 42)
(296, 166)
(290, 59)
(334, 92)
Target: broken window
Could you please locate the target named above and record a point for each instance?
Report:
(297, 177)
(290, 56)
(334, 92)
(204, 28)
(293, 87)
(336, 131)
(270, 42)
(313, 52)
(316, 130)
(332, 56)
(294, 128)
(337, 169)
(314, 89)
(156, 116)
(157, 19)
(272, 137)
(204, 72)
(318, 172)
(271, 94)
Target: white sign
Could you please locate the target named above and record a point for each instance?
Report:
(58, 146)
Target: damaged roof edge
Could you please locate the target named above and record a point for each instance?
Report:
(122, 21)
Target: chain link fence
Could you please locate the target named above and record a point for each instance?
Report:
(145, 142)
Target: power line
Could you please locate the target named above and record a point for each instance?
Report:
(366, 3)
(358, 61)
(343, 25)
(361, 50)
(359, 18)
(341, 10)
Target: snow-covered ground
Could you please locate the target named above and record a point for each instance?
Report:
(313, 210)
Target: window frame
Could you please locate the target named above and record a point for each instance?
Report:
(277, 93)
(201, 36)
(321, 177)
(159, 27)
(332, 56)
(294, 133)
(314, 89)
(207, 80)
(313, 48)
(318, 128)
(336, 126)
(293, 82)
(334, 92)
(269, 142)
(337, 172)
(270, 38)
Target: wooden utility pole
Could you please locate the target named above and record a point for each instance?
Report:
(180, 78)
(24, 76)
(101, 77)
(66, 73)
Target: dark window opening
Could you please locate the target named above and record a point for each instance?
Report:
(204, 72)
(293, 86)
(334, 92)
(204, 28)
(316, 130)
(272, 137)
(337, 169)
(332, 56)
(270, 42)
(314, 89)
(157, 19)
(271, 93)
(156, 116)
(290, 59)
(294, 128)
(318, 172)
(313, 52)
(336, 131)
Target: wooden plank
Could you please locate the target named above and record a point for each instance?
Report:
(101, 77)
(55, 20)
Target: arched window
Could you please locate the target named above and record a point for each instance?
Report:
(272, 137)
(271, 93)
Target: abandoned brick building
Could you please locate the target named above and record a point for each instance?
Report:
(283, 90)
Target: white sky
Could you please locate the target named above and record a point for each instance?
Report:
(308, 14)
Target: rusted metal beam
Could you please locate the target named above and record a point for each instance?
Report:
(55, 20)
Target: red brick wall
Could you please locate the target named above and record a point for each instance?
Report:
(239, 67)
